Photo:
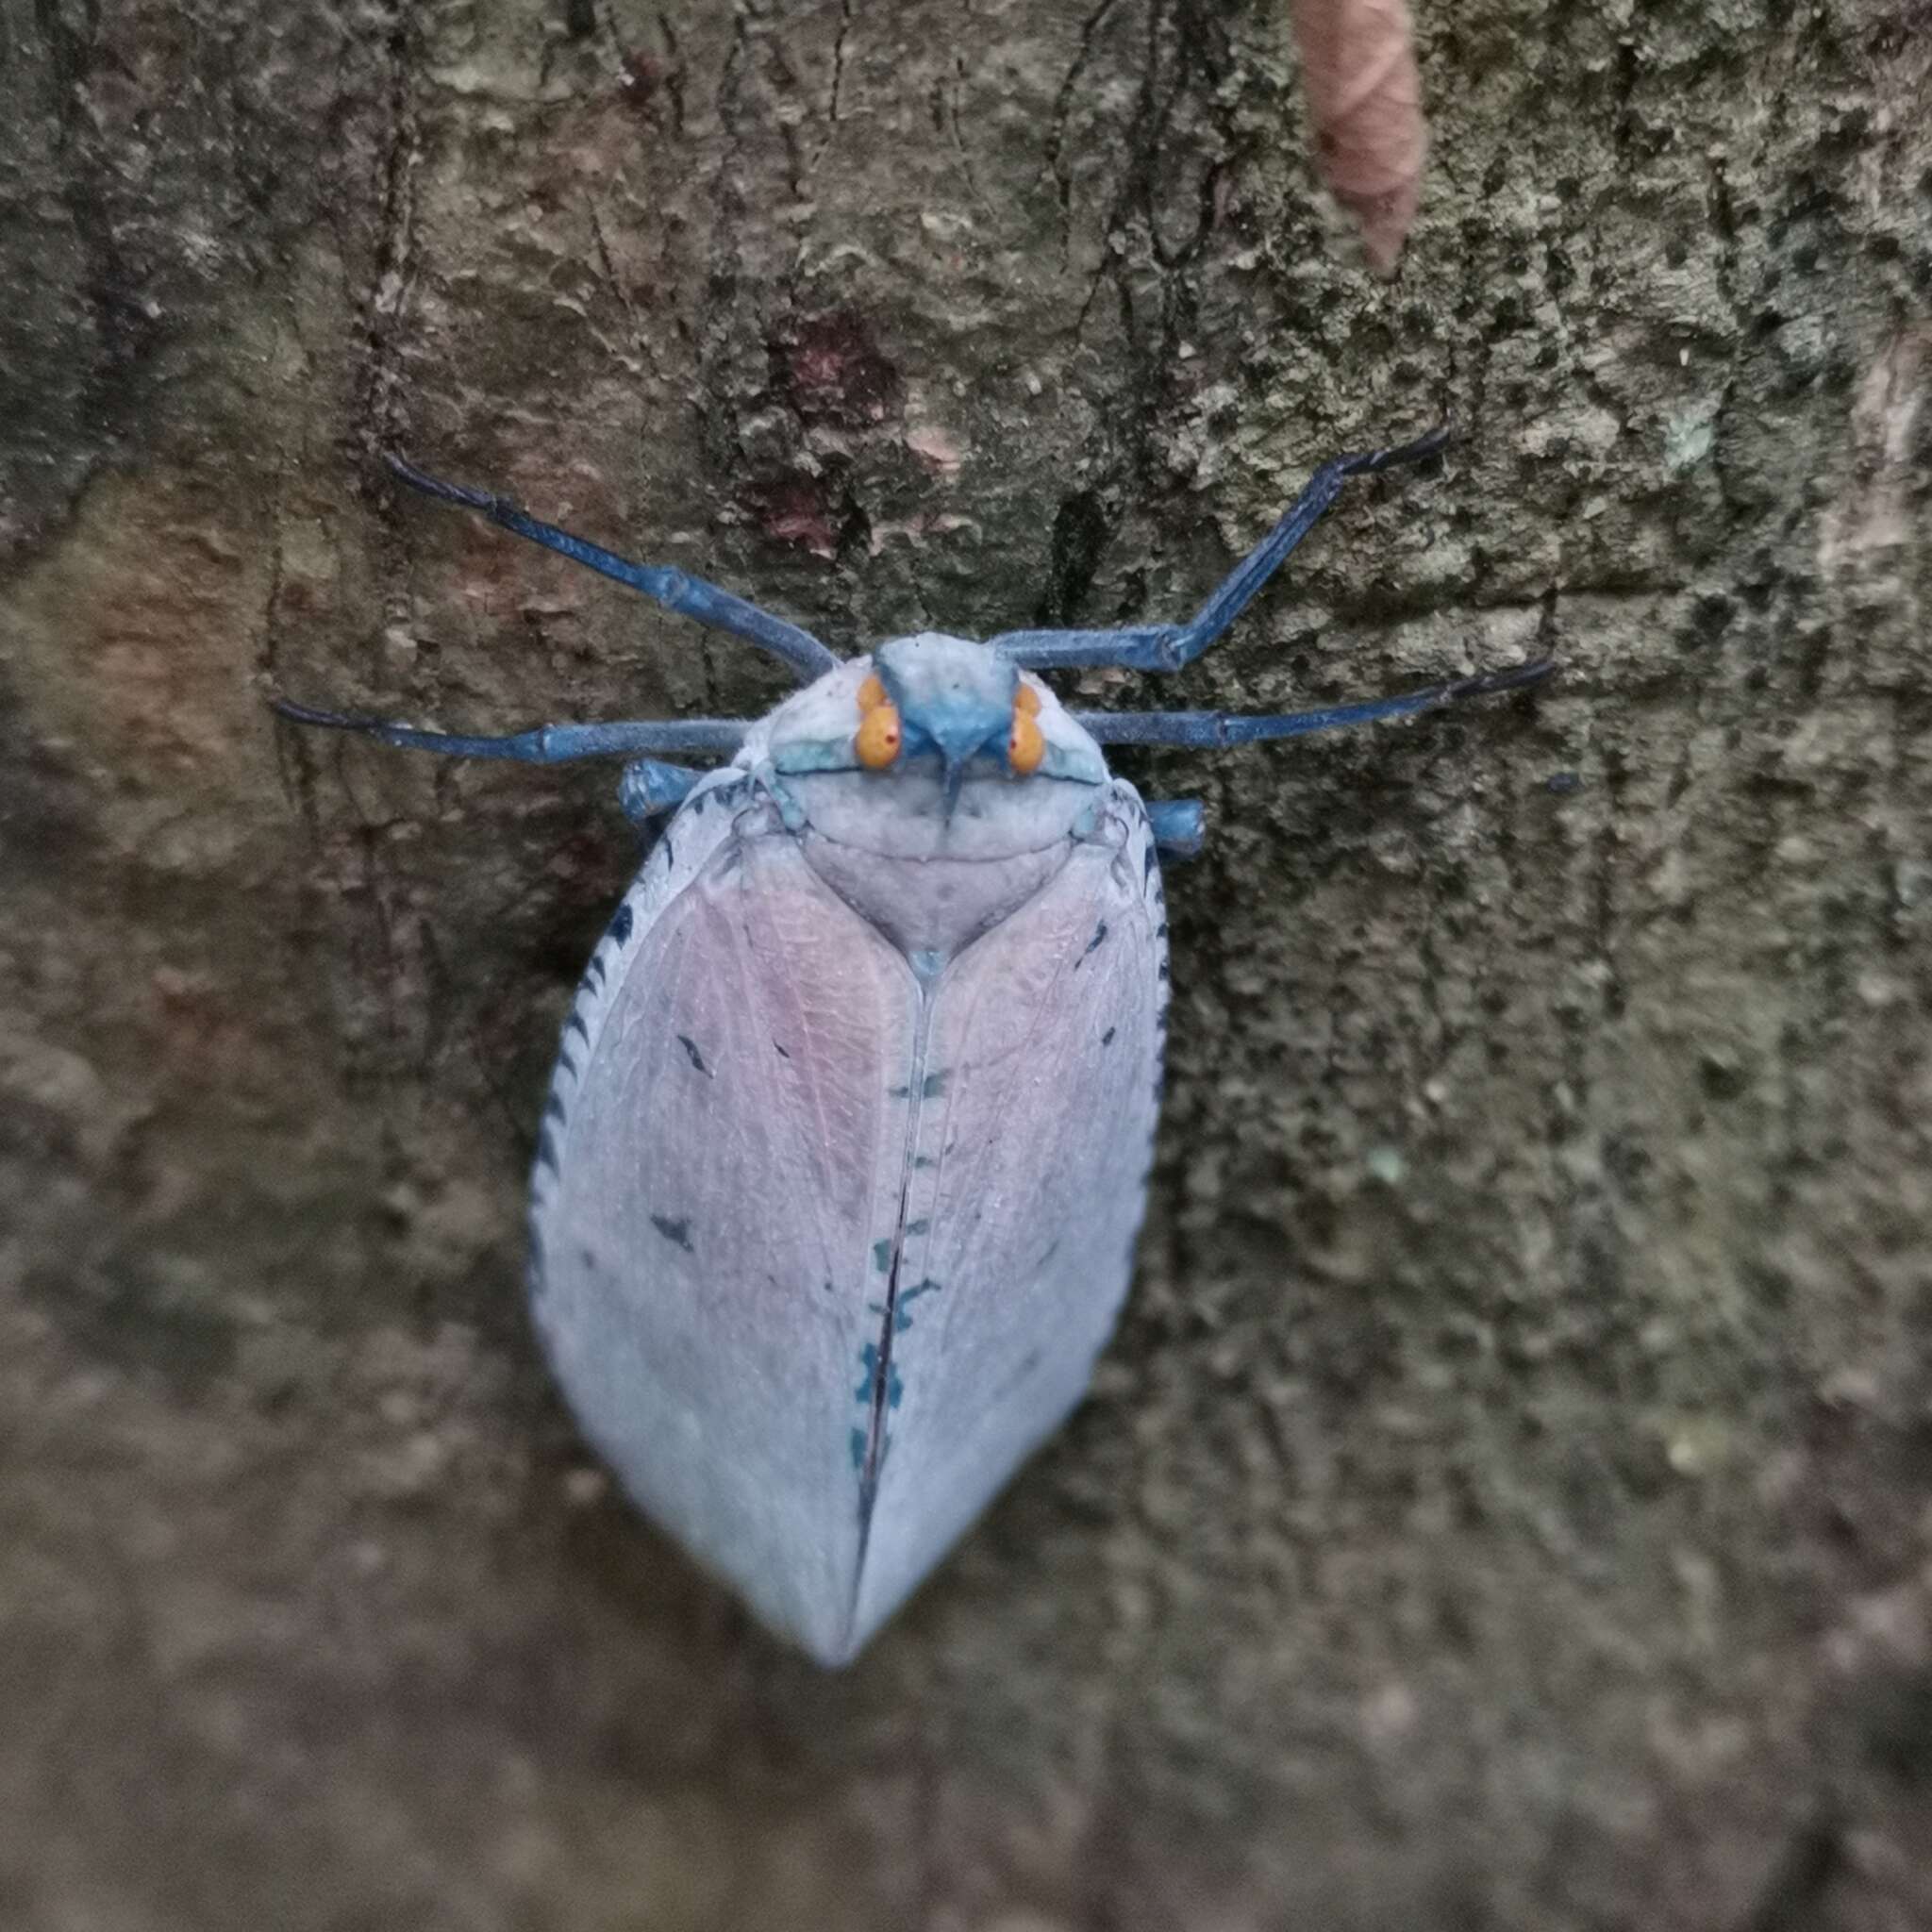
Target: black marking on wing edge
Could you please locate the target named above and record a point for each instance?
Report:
(547, 1151)
(1098, 940)
(575, 1025)
(553, 1109)
(621, 925)
(697, 1060)
(1107, 1038)
(782, 1053)
(595, 966)
(670, 855)
(675, 1232)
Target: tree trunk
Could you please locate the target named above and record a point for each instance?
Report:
(1505, 1503)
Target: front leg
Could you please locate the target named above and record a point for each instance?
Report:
(1169, 646)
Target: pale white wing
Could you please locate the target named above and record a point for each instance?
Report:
(1031, 1146)
(716, 1201)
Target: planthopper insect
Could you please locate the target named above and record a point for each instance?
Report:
(837, 1184)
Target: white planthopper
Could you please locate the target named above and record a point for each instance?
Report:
(847, 1145)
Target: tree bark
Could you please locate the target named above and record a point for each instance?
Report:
(1505, 1503)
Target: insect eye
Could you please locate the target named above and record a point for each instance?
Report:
(1027, 745)
(879, 736)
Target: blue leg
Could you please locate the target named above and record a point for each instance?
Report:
(1177, 827)
(548, 744)
(649, 789)
(671, 588)
(1220, 728)
(1168, 646)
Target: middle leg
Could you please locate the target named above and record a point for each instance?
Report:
(1169, 646)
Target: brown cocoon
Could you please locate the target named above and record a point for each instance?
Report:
(1365, 100)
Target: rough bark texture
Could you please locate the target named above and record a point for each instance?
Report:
(1506, 1503)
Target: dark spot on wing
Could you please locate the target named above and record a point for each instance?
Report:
(697, 1060)
(1107, 1038)
(1098, 940)
(675, 1232)
(880, 1379)
(670, 855)
(697, 806)
(552, 1108)
(1160, 930)
(902, 1319)
(575, 1025)
(882, 1255)
(547, 1151)
(919, 1227)
(922, 1160)
(595, 966)
(621, 925)
(1026, 1365)
(563, 1060)
(782, 1053)
(1162, 973)
(931, 1087)
(858, 1448)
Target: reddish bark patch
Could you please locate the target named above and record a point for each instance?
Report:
(792, 507)
(831, 370)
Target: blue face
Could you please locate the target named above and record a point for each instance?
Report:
(926, 721)
(955, 699)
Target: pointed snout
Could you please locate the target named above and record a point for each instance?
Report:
(954, 777)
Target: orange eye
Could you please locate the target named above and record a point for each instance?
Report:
(1026, 746)
(879, 737)
(877, 743)
(1026, 699)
